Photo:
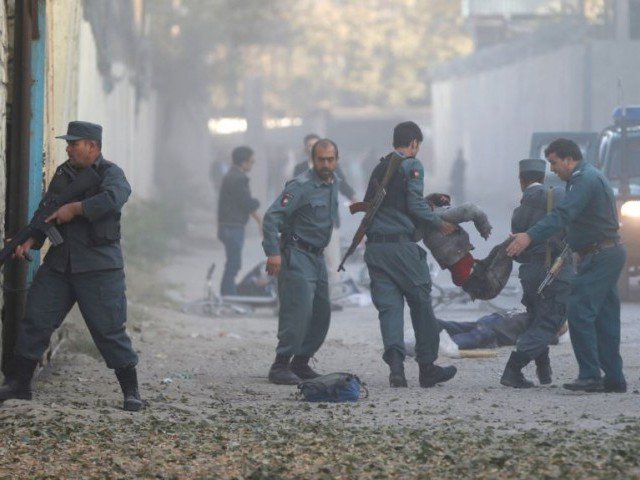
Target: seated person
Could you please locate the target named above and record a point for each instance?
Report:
(483, 279)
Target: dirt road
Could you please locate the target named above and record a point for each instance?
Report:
(212, 414)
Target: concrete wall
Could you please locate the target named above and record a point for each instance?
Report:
(492, 113)
(75, 91)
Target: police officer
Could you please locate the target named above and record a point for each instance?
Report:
(304, 214)
(547, 313)
(397, 265)
(589, 213)
(332, 251)
(235, 205)
(86, 268)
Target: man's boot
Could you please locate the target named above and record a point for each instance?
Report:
(128, 379)
(512, 375)
(396, 367)
(280, 372)
(543, 368)
(300, 367)
(430, 374)
(18, 384)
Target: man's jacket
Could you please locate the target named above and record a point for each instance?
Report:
(91, 240)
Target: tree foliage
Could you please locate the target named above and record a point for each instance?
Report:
(310, 53)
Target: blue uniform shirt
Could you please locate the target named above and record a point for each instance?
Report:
(391, 221)
(588, 210)
(78, 253)
(308, 208)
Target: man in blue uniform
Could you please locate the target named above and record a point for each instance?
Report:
(547, 313)
(235, 205)
(589, 213)
(86, 268)
(297, 227)
(397, 265)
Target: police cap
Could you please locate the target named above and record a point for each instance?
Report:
(533, 165)
(78, 130)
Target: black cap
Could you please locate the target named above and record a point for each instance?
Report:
(83, 131)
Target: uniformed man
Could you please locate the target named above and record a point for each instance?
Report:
(547, 313)
(235, 205)
(589, 213)
(304, 215)
(397, 265)
(332, 251)
(86, 268)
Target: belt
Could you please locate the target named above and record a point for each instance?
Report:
(302, 245)
(392, 238)
(596, 247)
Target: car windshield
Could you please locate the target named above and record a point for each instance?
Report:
(613, 168)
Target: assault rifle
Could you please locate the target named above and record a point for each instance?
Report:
(370, 208)
(81, 183)
(554, 271)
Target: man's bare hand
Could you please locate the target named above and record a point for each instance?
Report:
(65, 213)
(273, 265)
(447, 228)
(22, 251)
(519, 244)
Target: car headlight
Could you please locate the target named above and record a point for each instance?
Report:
(630, 209)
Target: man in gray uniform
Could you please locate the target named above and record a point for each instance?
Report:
(304, 215)
(86, 268)
(397, 265)
(548, 311)
(589, 214)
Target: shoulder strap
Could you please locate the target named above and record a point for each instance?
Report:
(547, 251)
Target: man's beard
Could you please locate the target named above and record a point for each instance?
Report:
(325, 173)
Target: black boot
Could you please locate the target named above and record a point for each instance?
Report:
(280, 372)
(512, 375)
(300, 367)
(543, 368)
(431, 374)
(128, 379)
(396, 365)
(18, 384)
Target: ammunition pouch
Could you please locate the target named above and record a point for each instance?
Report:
(105, 230)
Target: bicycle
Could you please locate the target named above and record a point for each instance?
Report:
(212, 305)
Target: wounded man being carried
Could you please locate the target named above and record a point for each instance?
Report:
(481, 279)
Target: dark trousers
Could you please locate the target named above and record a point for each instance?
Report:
(399, 272)
(101, 298)
(232, 237)
(305, 310)
(547, 313)
(594, 315)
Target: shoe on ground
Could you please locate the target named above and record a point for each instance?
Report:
(585, 385)
(431, 375)
(281, 374)
(15, 389)
(300, 367)
(395, 360)
(614, 387)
